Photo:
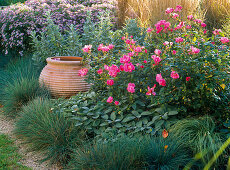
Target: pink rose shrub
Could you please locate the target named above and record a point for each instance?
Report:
(158, 70)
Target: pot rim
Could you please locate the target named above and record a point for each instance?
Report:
(65, 60)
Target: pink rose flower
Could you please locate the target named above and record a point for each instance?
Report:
(160, 80)
(129, 67)
(178, 8)
(149, 29)
(166, 43)
(125, 59)
(224, 40)
(131, 87)
(156, 59)
(145, 61)
(121, 68)
(216, 31)
(174, 75)
(111, 46)
(106, 67)
(174, 52)
(82, 72)
(116, 103)
(110, 99)
(141, 66)
(188, 26)
(132, 41)
(175, 15)
(190, 17)
(87, 48)
(205, 31)
(194, 50)
(151, 91)
(203, 24)
(179, 39)
(127, 41)
(113, 70)
(138, 49)
(110, 82)
(157, 52)
(188, 78)
(198, 20)
(100, 71)
(169, 10)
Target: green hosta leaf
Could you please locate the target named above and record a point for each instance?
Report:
(118, 125)
(139, 124)
(78, 124)
(145, 121)
(173, 113)
(165, 116)
(85, 108)
(146, 113)
(96, 123)
(134, 106)
(153, 120)
(113, 116)
(128, 118)
(159, 124)
(140, 103)
(105, 117)
(108, 110)
(135, 113)
(159, 110)
(104, 124)
(95, 117)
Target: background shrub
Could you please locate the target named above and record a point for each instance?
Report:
(47, 131)
(9, 2)
(19, 85)
(30, 16)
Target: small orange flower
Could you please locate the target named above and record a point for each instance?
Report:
(165, 133)
(165, 148)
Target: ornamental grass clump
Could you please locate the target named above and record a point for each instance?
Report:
(200, 136)
(19, 85)
(47, 131)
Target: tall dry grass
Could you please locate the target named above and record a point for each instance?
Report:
(151, 11)
(217, 12)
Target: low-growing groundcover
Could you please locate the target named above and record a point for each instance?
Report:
(9, 158)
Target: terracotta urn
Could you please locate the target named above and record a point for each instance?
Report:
(60, 75)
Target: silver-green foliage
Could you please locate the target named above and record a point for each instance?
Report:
(52, 42)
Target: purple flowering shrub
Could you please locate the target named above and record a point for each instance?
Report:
(19, 20)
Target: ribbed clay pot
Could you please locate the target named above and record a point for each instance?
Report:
(60, 75)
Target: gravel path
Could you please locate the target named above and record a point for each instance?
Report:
(29, 159)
